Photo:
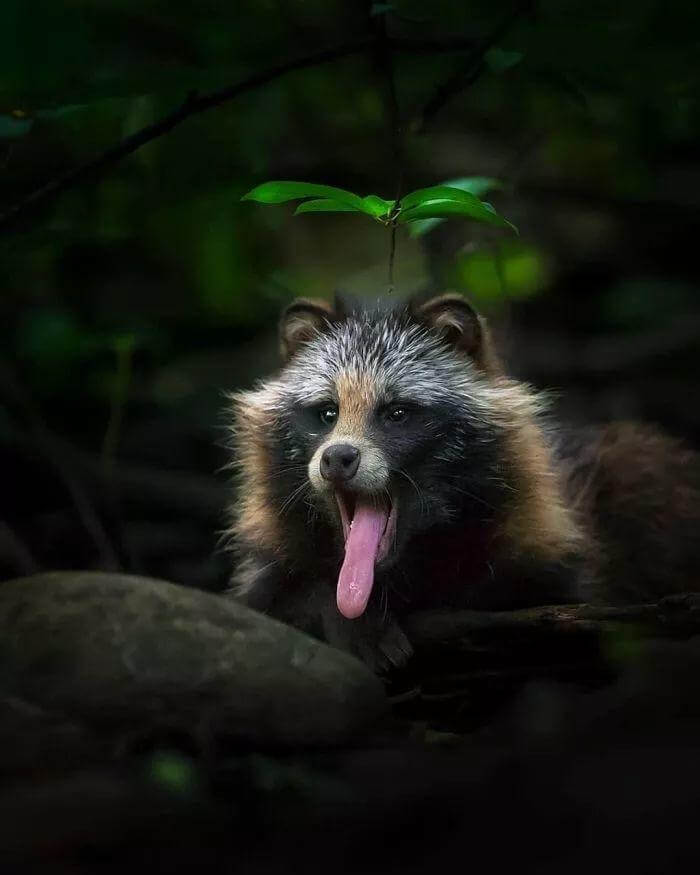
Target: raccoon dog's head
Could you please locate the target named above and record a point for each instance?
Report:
(387, 423)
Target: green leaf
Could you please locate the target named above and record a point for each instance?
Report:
(377, 206)
(325, 198)
(437, 201)
(437, 193)
(445, 209)
(278, 192)
(499, 60)
(476, 185)
(325, 205)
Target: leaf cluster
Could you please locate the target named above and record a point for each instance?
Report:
(457, 199)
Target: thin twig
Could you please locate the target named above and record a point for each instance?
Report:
(384, 60)
(392, 255)
(468, 72)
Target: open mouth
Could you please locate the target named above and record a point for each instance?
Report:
(384, 510)
(369, 527)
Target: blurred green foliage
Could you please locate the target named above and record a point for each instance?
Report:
(510, 270)
(174, 773)
(592, 96)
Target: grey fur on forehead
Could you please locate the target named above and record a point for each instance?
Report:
(401, 355)
(373, 308)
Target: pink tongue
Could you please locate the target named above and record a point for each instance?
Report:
(357, 574)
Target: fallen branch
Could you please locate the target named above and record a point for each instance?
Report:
(468, 664)
(673, 616)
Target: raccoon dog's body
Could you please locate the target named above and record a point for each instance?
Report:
(391, 465)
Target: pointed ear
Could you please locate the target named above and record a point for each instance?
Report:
(301, 321)
(455, 320)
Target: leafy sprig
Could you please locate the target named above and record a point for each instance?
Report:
(459, 199)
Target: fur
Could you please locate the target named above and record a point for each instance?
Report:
(496, 509)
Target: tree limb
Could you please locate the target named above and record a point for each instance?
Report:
(193, 105)
(199, 103)
(673, 616)
(469, 663)
(470, 70)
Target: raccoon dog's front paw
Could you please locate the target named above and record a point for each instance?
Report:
(383, 646)
(391, 651)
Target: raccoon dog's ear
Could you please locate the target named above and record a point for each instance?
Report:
(301, 321)
(455, 320)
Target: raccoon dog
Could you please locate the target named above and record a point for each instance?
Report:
(391, 464)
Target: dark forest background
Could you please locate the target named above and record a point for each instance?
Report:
(136, 289)
(136, 294)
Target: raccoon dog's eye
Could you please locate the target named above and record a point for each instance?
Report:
(396, 413)
(328, 414)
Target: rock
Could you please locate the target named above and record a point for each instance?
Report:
(34, 740)
(127, 653)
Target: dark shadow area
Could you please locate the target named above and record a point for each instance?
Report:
(137, 290)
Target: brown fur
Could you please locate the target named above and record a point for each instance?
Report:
(538, 520)
(610, 515)
(254, 524)
(356, 397)
(637, 493)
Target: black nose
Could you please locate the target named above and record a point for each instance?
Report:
(340, 462)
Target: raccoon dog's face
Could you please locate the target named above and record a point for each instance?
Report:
(388, 420)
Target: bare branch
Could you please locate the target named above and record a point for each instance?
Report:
(195, 104)
(676, 615)
(469, 71)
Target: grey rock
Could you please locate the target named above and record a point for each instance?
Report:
(124, 652)
(33, 740)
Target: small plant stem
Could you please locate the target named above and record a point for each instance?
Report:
(392, 253)
(384, 60)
